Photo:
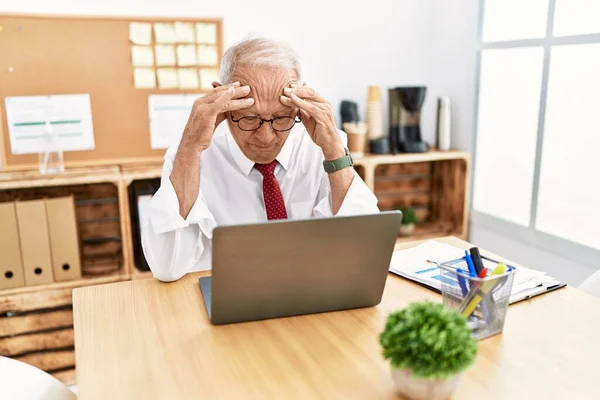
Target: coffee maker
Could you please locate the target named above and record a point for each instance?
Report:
(405, 117)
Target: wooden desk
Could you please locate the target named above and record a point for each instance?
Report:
(149, 340)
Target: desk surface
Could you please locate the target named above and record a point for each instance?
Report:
(150, 340)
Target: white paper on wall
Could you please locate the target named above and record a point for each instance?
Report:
(186, 55)
(167, 78)
(207, 76)
(142, 56)
(169, 114)
(206, 33)
(207, 55)
(184, 32)
(140, 33)
(68, 118)
(165, 55)
(144, 78)
(164, 32)
(188, 78)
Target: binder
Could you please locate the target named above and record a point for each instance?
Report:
(64, 239)
(11, 265)
(35, 246)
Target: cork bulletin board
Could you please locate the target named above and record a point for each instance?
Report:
(53, 55)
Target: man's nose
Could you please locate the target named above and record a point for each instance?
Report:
(265, 133)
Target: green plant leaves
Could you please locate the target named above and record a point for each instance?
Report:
(429, 339)
(408, 216)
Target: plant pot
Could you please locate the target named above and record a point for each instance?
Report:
(407, 230)
(423, 388)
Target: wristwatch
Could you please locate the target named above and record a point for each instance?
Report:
(341, 163)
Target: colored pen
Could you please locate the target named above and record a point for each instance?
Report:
(461, 282)
(483, 273)
(469, 261)
(476, 257)
(485, 288)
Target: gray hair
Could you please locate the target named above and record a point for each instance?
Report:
(257, 52)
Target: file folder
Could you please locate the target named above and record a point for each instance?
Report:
(11, 265)
(64, 239)
(35, 246)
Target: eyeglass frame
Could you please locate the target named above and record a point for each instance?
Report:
(296, 119)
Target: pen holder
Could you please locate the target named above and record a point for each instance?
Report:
(483, 301)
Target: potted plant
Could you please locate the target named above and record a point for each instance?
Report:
(428, 346)
(409, 219)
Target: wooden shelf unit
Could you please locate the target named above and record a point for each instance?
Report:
(435, 184)
(36, 321)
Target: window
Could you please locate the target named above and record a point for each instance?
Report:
(537, 142)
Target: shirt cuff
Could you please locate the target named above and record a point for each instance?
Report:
(164, 212)
(358, 200)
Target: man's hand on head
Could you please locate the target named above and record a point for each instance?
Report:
(210, 110)
(318, 118)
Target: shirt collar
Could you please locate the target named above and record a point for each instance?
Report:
(245, 165)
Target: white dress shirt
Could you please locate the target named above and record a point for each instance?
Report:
(231, 194)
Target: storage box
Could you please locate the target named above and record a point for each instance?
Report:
(35, 245)
(64, 240)
(11, 265)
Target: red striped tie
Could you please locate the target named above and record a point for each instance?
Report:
(271, 192)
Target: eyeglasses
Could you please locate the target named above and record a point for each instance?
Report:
(278, 124)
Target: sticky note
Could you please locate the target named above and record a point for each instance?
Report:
(188, 78)
(206, 33)
(144, 78)
(142, 56)
(164, 33)
(207, 76)
(186, 55)
(207, 55)
(167, 78)
(184, 32)
(140, 33)
(165, 55)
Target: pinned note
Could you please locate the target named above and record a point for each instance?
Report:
(165, 55)
(188, 78)
(168, 116)
(39, 123)
(206, 33)
(184, 32)
(140, 33)
(167, 78)
(186, 55)
(207, 76)
(207, 55)
(142, 56)
(144, 78)
(164, 33)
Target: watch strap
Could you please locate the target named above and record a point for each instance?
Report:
(338, 164)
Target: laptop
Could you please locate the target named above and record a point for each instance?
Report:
(295, 267)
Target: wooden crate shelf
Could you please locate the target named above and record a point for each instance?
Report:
(434, 184)
(36, 322)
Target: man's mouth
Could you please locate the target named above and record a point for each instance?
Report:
(263, 146)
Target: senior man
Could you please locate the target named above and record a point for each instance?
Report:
(252, 150)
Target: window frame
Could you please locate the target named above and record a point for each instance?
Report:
(529, 234)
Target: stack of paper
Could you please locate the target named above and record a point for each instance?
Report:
(412, 264)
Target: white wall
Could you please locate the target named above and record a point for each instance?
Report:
(345, 46)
